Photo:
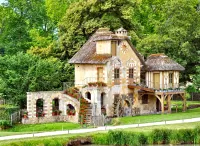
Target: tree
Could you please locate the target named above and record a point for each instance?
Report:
(23, 73)
(84, 17)
(176, 33)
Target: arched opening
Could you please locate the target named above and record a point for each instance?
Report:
(126, 103)
(40, 108)
(55, 107)
(102, 99)
(88, 95)
(71, 110)
(103, 108)
(126, 108)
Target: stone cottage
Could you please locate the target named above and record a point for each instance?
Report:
(113, 79)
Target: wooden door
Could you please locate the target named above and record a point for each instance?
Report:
(100, 74)
(156, 80)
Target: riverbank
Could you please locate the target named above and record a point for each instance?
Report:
(176, 134)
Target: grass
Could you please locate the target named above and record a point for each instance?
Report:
(63, 139)
(23, 129)
(192, 113)
(180, 103)
(173, 126)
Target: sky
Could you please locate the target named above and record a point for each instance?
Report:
(1, 1)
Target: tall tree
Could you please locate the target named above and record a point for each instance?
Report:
(23, 73)
(176, 33)
(84, 17)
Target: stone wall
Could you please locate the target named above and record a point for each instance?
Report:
(47, 97)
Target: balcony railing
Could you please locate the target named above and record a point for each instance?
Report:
(156, 85)
(93, 79)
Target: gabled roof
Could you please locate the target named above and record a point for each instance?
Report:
(87, 53)
(161, 62)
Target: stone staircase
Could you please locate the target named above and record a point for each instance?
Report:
(88, 116)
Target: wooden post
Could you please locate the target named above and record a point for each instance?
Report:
(184, 103)
(162, 104)
(169, 103)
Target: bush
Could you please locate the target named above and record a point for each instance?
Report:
(160, 136)
(101, 139)
(4, 124)
(187, 136)
(142, 139)
(197, 135)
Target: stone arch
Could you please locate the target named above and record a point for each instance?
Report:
(55, 106)
(71, 110)
(74, 105)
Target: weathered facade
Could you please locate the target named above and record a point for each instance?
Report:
(114, 79)
(111, 58)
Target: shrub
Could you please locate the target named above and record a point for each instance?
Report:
(101, 139)
(175, 137)
(197, 135)
(161, 136)
(187, 136)
(142, 139)
(4, 124)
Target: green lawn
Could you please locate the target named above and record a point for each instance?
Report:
(192, 113)
(173, 126)
(62, 139)
(180, 103)
(22, 129)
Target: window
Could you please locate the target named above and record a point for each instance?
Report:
(55, 107)
(131, 74)
(102, 99)
(116, 73)
(145, 99)
(40, 108)
(170, 78)
(88, 95)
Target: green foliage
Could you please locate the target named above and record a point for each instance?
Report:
(23, 73)
(160, 136)
(4, 124)
(82, 18)
(100, 139)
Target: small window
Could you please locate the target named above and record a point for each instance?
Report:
(145, 99)
(170, 78)
(116, 73)
(88, 95)
(131, 74)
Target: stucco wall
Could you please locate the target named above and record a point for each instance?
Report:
(85, 73)
(103, 47)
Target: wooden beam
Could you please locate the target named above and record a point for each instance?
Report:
(162, 104)
(169, 103)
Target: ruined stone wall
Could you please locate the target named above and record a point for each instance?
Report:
(48, 97)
